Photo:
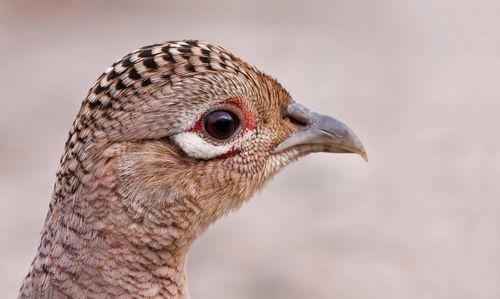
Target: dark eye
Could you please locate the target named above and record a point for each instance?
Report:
(221, 124)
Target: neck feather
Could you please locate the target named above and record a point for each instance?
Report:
(96, 243)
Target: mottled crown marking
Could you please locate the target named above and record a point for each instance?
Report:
(160, 63)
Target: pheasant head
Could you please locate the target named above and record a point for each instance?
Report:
(170, 138)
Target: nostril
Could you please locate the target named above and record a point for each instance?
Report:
(299, 122)
(298, 114)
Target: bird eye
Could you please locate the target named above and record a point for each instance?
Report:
(221, 124)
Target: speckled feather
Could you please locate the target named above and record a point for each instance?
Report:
(128, 202)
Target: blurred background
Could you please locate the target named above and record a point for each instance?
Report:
(418, 80)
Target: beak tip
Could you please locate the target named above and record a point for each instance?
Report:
(358, 148)
(363, 155)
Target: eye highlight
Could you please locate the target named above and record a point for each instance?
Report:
(221, 124)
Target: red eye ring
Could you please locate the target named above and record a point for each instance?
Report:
(236, 109)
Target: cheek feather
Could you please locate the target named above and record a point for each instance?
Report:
(197, 147)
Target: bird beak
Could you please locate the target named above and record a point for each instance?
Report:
(319, 133)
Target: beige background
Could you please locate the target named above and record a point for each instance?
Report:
(418, 80)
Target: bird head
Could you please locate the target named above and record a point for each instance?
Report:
(189, 121)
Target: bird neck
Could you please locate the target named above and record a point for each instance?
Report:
(144, 252)
(100, 243)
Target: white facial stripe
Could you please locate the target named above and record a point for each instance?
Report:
(195, 146)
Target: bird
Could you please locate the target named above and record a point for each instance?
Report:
(169, 139)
